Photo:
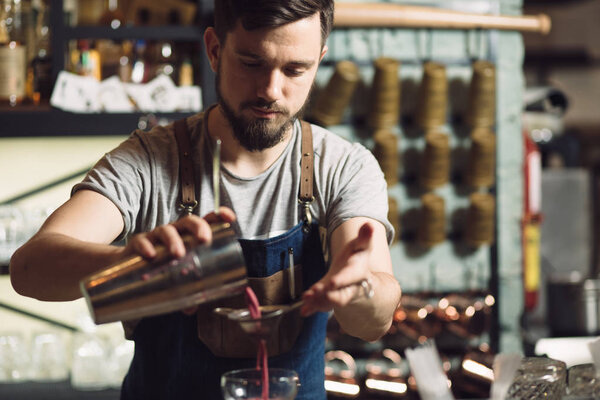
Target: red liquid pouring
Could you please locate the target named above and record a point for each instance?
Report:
(261, 357)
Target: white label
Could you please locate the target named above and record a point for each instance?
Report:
(76, 93)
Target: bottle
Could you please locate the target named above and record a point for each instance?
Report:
(140, 66)
(186, 73)
(112, 15)
(13, 53)
(40, 70)
(89, 63)
(165, 60)
(125, 61)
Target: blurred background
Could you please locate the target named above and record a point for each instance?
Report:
(487, 134)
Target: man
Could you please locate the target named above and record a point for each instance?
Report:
(265, 55)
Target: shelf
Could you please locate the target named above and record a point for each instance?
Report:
(47, 121)
(167, 32)
(29, 121)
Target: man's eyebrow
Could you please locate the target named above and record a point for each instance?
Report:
(248, 54)
(297, 63)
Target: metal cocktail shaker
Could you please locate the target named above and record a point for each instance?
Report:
(135, 287)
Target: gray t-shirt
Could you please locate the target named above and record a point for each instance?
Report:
(141, 177)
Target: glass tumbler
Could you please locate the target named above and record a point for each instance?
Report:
(539, 378)
(584, 381)
(48, 358)
(246, 384)
(13, 357)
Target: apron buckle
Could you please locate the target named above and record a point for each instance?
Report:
(188, 207)
(307, 217)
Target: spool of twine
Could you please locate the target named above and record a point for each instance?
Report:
(332, 101)
(482, 159)
(435, 166)
(386, 152)
(433, 96)
(480, 219)
(384, 107)
(482, 95)
(432, 224)
(394, 217)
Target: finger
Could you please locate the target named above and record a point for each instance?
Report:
(142, 245)
(317, 304)
(196, 226)
(170, 238)
(315, 299)
(225, 214)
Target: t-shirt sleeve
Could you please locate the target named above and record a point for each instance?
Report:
(120, 175)
(360, 190)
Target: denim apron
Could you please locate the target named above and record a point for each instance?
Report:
(171, 362)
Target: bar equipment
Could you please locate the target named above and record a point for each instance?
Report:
(482, 156)
(247, 384)
(433, 96)
(332, 101)
(480, 219)
(135, 288)
(482, 95)
(539, 378)
(385, 150)
(435, 164)
(386, 377)
(340, 375)
(432, 220)
(384, 110)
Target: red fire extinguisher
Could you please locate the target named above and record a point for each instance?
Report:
(532, 218)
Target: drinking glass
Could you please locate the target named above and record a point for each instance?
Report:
(13, 357)
(118, 362)
(584, 381)
(88, 368)
(48, 358)
(246, 384)
(539, 378)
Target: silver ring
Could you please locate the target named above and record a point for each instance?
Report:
(367, 287)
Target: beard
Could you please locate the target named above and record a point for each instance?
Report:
(259, 133)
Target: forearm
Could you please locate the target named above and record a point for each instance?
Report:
(369, 319)
(50, 266)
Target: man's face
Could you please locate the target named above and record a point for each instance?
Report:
(264, 78)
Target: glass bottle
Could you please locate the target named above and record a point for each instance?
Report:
(112, 15)
(125, 61)
(40, 68)
(13, 53)
(165, 60)
(140, 70)
(89, 60)
(186, 73)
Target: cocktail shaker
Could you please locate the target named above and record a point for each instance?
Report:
(136, 287)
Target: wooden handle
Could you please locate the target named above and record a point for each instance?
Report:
(396, 15)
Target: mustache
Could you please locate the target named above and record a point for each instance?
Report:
(265, 105)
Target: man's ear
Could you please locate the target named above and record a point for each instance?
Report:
(213, 47)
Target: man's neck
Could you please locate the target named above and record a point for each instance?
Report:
(236, 158)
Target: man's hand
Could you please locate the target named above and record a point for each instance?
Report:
(342, 283)
(170, 236)
(361, 265)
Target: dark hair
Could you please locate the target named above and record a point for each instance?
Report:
(256, 14)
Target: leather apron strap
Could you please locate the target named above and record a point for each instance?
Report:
(186, 169)
(306, 173)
